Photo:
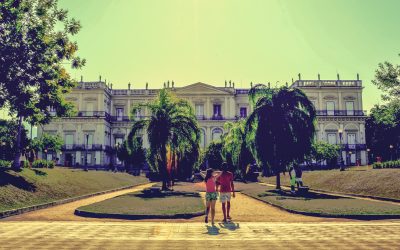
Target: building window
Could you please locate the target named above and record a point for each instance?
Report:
(69, 141)
(52, 111)
(138, 114)
(350, 108)
(120, 114)
(243, 112)
(330, 108)
(332, 138)
(88, 140)
(118, 143)
(217, 110)
(89, 109)
(199, 109)
(216, 134)
(351, 139)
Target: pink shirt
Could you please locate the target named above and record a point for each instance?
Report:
(225, 180)
(210, 185)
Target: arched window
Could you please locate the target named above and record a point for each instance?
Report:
(216, 134)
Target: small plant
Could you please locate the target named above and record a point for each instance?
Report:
(5, 164)
(386, 164)
(43, 164)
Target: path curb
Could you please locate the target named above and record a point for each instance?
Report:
(136, 217)
(343, 194)
(22, 210)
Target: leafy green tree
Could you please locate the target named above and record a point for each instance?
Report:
(213, 155)
(382, 129)
(172, 125)
(323, 151)
(235, 149)
(8, 139)
(133, 155)
(34, 46)
(383, 122)
(281, 128)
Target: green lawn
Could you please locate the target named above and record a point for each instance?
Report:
(323, 205)
(357, 180)
(142, 205)
(32, 187)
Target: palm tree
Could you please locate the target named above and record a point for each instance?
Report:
(235, 149)
(281, 128)
(171, 126)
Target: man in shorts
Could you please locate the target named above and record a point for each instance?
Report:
(225, 187)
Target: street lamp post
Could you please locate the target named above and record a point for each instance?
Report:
(350, 153)
(342, 168)
(391, 152)
(368, 161)
(86, 151)
(116, 156)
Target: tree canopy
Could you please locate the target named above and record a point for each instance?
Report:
(172, 130)
(281, 128)
(8, 139)
(34, 47)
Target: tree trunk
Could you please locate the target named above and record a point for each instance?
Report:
(163, 168)
(277, 172)
(16, 164)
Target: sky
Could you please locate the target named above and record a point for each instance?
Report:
(211, 41)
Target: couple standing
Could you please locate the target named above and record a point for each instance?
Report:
(222, 182)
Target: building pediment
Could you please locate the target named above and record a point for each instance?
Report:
(200, 88)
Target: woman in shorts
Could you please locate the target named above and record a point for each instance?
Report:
(211, 193)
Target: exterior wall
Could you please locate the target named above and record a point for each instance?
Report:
(103, 113)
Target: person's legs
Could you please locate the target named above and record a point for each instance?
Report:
(208, 203)
(228, 208)
(212, 211)
(224, 210)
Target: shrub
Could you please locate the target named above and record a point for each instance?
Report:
(5, 164)
(43, 164)
(386, 164)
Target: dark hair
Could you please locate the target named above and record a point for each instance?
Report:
(208, 174)
(224, 166)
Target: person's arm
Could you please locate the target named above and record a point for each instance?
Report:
(233, 187)
(202, 175)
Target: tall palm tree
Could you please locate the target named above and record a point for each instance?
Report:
(171, 125)
(281, 128)
(235, 149)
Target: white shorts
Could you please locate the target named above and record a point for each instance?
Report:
(224, 197)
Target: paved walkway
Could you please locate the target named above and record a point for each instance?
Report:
(256, 225)
(65, 212)
(150, 235)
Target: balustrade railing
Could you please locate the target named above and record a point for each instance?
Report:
(341, 113)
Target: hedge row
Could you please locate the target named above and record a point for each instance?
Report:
(386, 164)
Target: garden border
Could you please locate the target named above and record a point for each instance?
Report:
(22, 210)
(136, 216)
(355, 217)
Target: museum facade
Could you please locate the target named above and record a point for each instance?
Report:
(103, 119)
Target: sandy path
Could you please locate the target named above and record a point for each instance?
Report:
(243, 209)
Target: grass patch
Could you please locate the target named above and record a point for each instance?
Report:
(142, 205)
(36, 186)
(357, 180)
(323, 205)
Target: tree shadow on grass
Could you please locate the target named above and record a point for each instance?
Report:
(147, 194)
(39, 172)
(7, 178)
(286, 194)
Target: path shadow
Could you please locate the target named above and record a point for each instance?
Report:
(146, 194)
(286, 194)
(231, 226)
(212, 230)
(39, 172)
(7, 178)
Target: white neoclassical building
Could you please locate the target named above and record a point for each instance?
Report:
(102, 121)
